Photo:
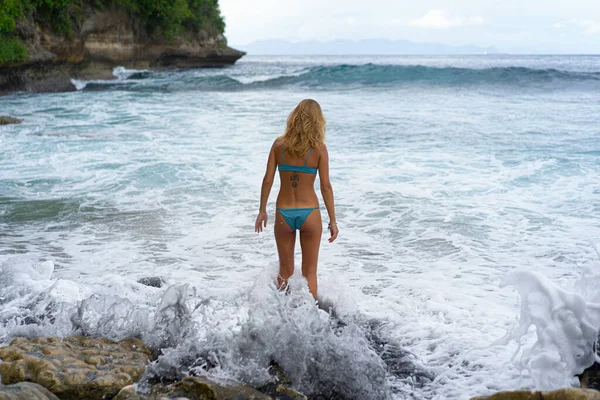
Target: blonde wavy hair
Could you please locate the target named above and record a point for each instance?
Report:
(305, 128)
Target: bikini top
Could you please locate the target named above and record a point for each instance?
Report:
(296, 168)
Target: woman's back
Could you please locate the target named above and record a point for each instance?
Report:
(297, 177)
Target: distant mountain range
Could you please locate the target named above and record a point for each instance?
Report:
(355, 47)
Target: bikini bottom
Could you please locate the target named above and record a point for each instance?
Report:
(295, 217)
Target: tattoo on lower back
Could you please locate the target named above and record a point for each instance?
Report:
(295, 179)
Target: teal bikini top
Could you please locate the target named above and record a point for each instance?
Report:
(297, 168)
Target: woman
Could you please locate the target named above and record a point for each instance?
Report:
(299, 153)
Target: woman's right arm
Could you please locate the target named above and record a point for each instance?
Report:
(261, 219)
(327, 192)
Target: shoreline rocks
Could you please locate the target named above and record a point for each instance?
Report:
(590, 378)
(88, 368)
(9, 120)
(152, 281)
(25, 391)
(560, 394)
(200, 388)
(105, 40)
(75, 367)
(82, 367)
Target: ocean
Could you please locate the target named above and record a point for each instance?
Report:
(468, 200)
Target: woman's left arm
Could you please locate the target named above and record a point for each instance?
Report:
(267, 183)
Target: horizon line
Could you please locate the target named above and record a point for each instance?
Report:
(422, 54)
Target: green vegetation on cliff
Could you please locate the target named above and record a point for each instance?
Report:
(11, 49)
(10, 10)
(171, 17)
(167, 18)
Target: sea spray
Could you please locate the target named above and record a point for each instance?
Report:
(31, 303)
(319, 354)
(566, 327)
(121, 75)
(336, 354)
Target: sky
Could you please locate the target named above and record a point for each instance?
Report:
(531, 26)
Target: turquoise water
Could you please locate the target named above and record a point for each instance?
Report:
(448, 172)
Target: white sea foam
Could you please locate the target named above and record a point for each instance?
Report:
(225, 339)
(79, 84)
(120, 73)
(566, 328)
(123, 73)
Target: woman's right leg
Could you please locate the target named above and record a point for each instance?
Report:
(285, 238)
(310, 241)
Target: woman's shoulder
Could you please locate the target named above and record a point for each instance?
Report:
(322, 149)
(278, 142)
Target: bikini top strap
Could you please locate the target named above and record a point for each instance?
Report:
(308, 155)
(282, 155)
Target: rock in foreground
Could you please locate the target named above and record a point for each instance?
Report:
(25, 391)
(76, 367)
(561, 394)
(201, 388)
(152, 281)
(590, 378)
(9, 120)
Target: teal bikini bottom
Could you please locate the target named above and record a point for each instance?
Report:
(295, 217)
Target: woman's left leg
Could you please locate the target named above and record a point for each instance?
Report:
(310, 242)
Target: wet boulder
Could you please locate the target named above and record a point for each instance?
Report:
(152, 281)
(399, 361)
(129, 393)
(75, 368)
(590, 378)
(200, 388)
(25, 391)
(283, 392)
(279, 388)
(9, 120)
(561, 394)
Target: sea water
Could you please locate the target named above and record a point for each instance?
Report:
(457, 180)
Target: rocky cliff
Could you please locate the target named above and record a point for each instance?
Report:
(100, 41)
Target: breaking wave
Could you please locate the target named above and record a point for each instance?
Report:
(326, 354)
(349, 76)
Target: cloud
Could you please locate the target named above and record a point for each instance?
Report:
(437, 19)
(590, 27)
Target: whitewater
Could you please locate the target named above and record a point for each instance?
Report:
(467, 197)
